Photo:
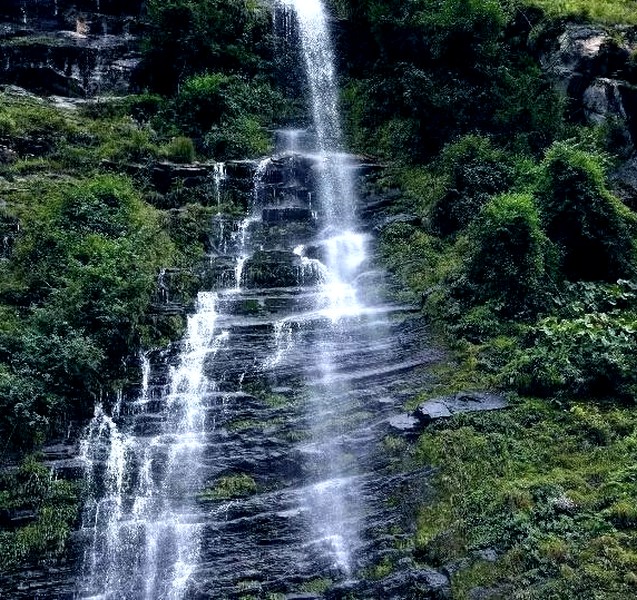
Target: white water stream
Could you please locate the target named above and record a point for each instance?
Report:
(145, 532)
(144, 544)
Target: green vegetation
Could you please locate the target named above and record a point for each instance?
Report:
(524, 261)
(507, 262)
(549, 491)
(604, 11)
(230, 487)
(187, 38)
(73, 296)
(49, 506)
(594, 232)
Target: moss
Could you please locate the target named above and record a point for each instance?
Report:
(230, 487)
(534, 484)
(617, 11)
(317, 586)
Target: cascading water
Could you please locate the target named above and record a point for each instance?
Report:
(144, 540)
(279, 388)
(344, 253)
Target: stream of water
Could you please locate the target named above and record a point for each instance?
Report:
(280, 381)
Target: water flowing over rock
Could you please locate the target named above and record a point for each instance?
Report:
(250, 460)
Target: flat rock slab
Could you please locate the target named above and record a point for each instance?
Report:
(463, 402)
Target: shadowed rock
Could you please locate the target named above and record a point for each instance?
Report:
(463, 402)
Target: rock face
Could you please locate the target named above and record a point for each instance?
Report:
(595, 69)
(263, 418)
(70, 48)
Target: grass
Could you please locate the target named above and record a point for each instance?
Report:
(54, 505)
(551, 489)
(604, 11)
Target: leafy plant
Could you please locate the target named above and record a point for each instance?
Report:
(475, 171)
(592, 229)
(508, 262)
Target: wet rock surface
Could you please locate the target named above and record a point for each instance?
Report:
(262, 417)
(70, 48)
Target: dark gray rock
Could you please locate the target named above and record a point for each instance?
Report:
(463, 402)
(432, 410)
(590, 66)
(286, 214)
(487, 555)
(624, 182)
(481, 593)
(427, 583)
(403, 218)
(70, 48)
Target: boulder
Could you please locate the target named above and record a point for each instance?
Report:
(624, 182)
(591, 67)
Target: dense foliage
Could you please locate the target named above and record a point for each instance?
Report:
(81, 275)
(525, 262)
(189, 37)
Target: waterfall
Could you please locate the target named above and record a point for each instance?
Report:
(334, 518)
(244, 467)
(144, 542)
(337, 189)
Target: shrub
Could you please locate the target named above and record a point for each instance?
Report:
(188, 37)
(54, 503)
(595, 354)
(82, 273)
(475, 171)
(180, 150)
(508, 258)
(238, 138)
(591, 228)
(228, 114)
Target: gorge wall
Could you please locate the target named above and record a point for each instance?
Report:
(66, 48)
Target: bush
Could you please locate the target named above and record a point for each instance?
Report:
(475, 171)
(592, 229)
(188, 37)
(227, 115)
(180, 150)
(82, 275)
(595, 354)
(53, 502)
(238, 138)
(508, 258)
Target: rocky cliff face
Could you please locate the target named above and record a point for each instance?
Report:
(70, 47)
(596, 71)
